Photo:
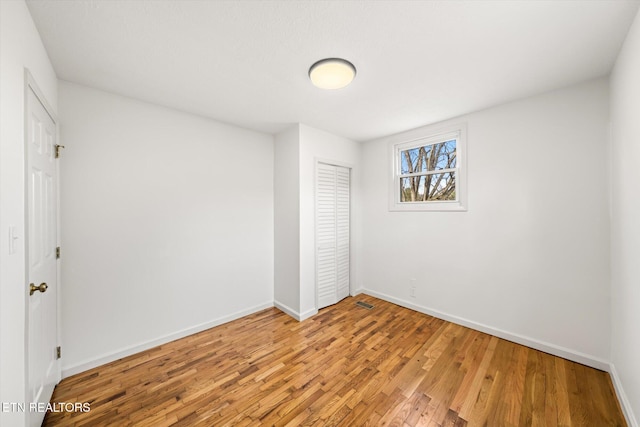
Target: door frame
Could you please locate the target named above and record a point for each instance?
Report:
(351, 167)
(30, 84)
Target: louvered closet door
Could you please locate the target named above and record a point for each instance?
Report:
(332, 234)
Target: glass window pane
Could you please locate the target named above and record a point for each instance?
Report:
(428, 158)
(410, 161)
(444, 155)
(427, 188)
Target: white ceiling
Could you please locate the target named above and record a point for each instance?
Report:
(246, 62)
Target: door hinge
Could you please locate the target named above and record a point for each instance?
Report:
(58, 147)
(58, 252)
(58, 352)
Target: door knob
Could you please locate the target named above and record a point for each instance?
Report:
(33, 288)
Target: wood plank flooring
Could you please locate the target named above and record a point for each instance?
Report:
(346, 366)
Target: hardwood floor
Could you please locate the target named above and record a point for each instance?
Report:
(348, 366)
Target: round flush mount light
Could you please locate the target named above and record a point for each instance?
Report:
(332, 73)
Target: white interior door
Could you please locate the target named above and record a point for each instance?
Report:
(43, 366)
(332, 233)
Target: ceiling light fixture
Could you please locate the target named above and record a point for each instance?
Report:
(332, 73)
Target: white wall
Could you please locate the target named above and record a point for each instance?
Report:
(287, 221)
(530, 259)
(625, 223)
(297, 150)
(168, 224)
(317, 145)
(20, 47)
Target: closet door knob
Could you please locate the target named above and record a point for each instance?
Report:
(33, 288)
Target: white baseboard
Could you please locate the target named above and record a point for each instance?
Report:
(357, 292)
(307, 314)
(293, 313)
(286, 309)
(566, 353)
(622, 397)
(68, 371)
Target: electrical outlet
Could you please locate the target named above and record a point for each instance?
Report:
(412, 288)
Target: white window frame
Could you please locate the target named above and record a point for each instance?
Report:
(430, 136)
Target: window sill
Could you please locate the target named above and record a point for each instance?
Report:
(428, 207)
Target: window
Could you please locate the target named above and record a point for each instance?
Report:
(429, 173)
